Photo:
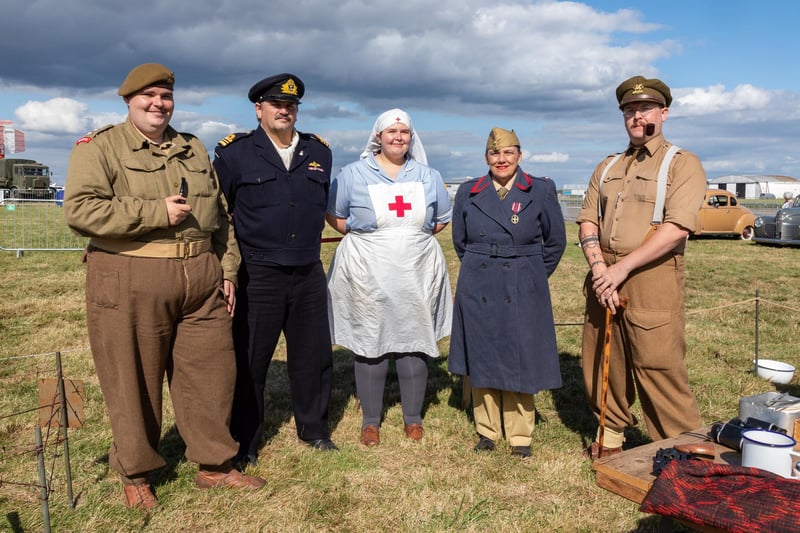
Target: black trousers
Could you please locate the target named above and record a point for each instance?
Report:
(294, 300)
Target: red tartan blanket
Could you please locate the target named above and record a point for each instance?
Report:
(733, 498)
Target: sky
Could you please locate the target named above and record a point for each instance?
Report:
(546, 69)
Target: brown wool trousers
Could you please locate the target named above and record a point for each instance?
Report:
(647, 352)
(148, 318)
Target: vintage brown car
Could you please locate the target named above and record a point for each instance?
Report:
(722, 214)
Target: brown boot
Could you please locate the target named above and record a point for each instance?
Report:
(370, 436)
(227, 477)
(594, 452)
(140, 496)
(414, 431)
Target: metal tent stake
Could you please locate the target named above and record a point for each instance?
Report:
(65, 429)
(755, 360)
(43, 493)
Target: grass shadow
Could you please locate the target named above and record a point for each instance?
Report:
(573, 408)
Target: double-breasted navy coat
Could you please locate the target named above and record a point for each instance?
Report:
(503, 333)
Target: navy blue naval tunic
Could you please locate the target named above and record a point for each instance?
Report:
(278, 214)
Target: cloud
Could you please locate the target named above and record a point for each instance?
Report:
(552, 157)
(715, 99)
(546, 68)
(520, 55)
(61, 115)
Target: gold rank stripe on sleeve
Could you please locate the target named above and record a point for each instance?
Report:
(227, 140)
(233, 137)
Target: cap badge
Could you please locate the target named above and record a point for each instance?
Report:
(638, 89)
(289, 87)
(398, 119)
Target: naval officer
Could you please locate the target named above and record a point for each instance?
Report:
(276, 180)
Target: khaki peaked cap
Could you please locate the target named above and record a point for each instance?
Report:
(641, 89)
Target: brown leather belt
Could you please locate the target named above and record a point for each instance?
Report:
(171, 250)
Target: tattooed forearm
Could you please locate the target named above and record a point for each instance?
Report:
(591, 249)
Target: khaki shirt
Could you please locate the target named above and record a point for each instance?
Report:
(117, 182)
(627, 198)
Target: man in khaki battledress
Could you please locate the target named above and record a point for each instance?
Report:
(641, 271)
(160, 286)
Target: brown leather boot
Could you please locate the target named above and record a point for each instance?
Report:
(414, 431)
(594, 452)
(227, 477)
(140, 496)
(370, 436)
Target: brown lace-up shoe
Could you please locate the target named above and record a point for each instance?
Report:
(229, 478)
(414, 431)
(140, 496)
(594, 452)
(370, 436)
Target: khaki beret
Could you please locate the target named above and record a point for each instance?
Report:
(641, 89)
(286, 87)
(146, 75)
(500, 138)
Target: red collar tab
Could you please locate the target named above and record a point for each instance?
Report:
(524, 186)
(480, 185)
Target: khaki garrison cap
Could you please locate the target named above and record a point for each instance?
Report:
(146, 75)
(500, 138)
(641, 89)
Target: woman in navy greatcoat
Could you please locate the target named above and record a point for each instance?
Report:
(508, 232)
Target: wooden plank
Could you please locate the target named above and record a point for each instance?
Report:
(50, 402)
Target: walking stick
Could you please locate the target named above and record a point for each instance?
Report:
(606, 365)
(604, 394)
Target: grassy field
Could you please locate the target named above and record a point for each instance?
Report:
(438, 484)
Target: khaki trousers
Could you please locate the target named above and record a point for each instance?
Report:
(151, 317)
(517, 416)
(647, 352)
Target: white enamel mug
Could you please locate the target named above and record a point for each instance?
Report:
(768, 450)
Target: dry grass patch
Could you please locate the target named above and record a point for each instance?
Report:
(438, 484)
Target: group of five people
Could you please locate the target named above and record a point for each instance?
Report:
(182, 251)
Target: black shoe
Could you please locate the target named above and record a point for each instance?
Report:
(523, 452)
(484, 445)
(243, 460)
(325, 445)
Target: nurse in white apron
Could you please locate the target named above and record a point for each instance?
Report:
(388, 286)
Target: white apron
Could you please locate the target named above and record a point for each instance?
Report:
(389, 290)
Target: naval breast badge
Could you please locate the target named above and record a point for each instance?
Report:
(515, 208)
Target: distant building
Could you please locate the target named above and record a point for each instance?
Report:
(756, 186)
(574, 190)
(453, 184)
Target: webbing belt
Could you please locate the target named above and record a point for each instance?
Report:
(171, 250)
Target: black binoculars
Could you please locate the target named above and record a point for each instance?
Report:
(730, 433)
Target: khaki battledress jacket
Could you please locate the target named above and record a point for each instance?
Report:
(117, 185)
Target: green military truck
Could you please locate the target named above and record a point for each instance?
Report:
(25, 177)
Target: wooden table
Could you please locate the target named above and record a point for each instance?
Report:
(630, 474)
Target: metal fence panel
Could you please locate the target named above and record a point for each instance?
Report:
(35, 222)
